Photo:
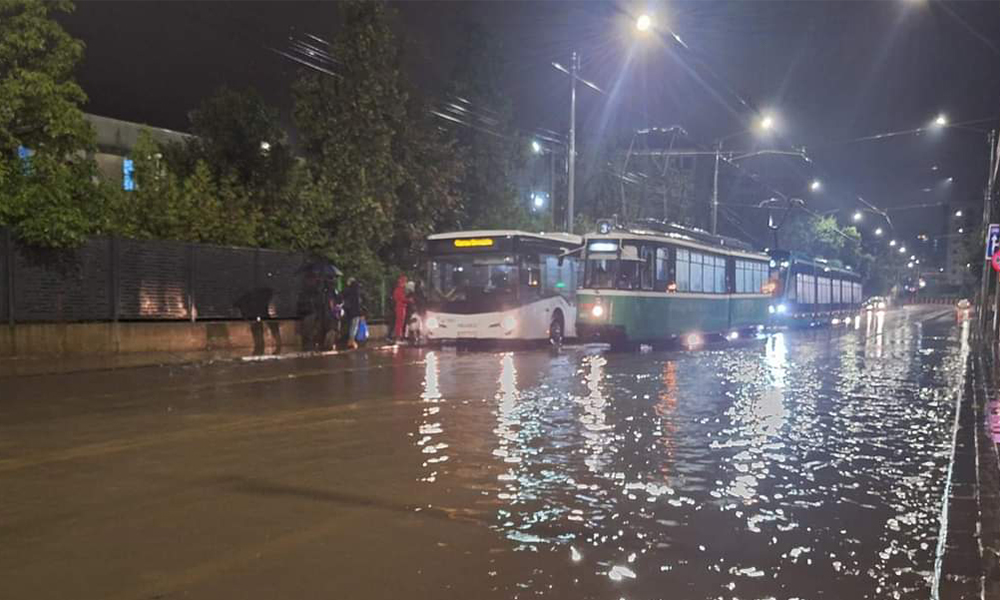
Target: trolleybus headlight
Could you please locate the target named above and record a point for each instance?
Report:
(770, 309)
(432, 323)
(782, 308)
(508, 323)
(693, 340)
(597, 311)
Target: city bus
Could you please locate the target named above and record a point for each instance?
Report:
(501, 286)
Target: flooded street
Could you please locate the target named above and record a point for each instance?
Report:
(807, 464)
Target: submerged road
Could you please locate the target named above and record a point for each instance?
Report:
(806, 464)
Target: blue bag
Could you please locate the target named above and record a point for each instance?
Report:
(362, 331)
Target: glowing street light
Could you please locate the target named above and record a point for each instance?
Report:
(536, 147)
(940, 120)
(902, 249)
(958, 213)
(961, 230)
(815, 185)
(644, 23)
(913, 257)
(857, 216)
(909, 265)
(767, 123)
(878, 231)
(892, 242)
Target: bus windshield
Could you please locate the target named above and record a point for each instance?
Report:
(472, 284)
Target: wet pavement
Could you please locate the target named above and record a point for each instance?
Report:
(806, 464)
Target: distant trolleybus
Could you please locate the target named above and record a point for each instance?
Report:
(812, 291)
(501, 285)
(655, 282)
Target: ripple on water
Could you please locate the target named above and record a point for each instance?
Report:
(807, 465)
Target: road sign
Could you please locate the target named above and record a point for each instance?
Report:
(992, 240)
(996, 262)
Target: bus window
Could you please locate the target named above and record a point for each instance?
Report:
(558, 279)
(476, 281)
(646, 266)
(662, 268)
(600, 273)
(683, 271)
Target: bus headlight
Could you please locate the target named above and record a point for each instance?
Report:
(597, 311)
(770, 309)
(508, 323)
(432, 323)
(782, 308)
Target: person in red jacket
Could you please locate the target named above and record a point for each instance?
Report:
(401, 300)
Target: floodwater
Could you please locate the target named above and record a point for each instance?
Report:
(802, 465)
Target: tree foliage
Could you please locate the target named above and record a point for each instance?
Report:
(491, 148)
(823, 237)
(350, 131)
(238, 135)
(46, 198)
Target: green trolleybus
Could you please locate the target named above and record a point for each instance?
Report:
(657, 282)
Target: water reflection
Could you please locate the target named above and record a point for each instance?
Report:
(594, 418)
(430, 427)
(508, 425)
(808, 466)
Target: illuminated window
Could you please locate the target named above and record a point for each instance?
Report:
(128, 175)
(25, 155)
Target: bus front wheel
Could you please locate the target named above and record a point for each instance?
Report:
(556, 331)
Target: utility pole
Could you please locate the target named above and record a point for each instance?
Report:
(984, 289)
(574, 74)
(552, 185)
(715, 189)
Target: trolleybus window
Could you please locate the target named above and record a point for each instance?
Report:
(697, 272)
(624, 270)
(662, 268)
(600, 272)
(750, 276)
(647, 267)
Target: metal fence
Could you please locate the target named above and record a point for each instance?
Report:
(111, 279)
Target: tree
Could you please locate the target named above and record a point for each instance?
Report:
(429, 195)
(491, 147)
(45, 175)
(822, 237)
(349, 127)
(238, 135)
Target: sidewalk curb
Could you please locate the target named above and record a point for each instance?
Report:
(967, 564)
(58, 365)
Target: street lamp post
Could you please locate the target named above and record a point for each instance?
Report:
(766, 123)
(715, 189)
(574, 76)
(574, 69)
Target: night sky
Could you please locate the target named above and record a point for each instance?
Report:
(830, 71)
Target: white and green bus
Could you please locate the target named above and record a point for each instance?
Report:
(501, 285)
(658, 283)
